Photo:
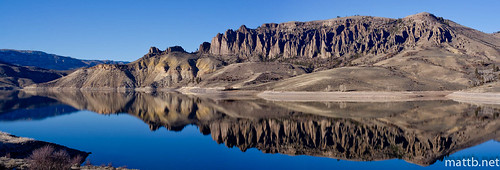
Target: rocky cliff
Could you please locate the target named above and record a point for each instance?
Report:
(361, 52)
(170, 68)
(344, 39)
(174, 68)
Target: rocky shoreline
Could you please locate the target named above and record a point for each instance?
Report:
(15, 153)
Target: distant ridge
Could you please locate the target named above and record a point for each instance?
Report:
(13, 77)
(48, 61)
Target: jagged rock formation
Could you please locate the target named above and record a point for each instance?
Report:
(348, 37)
(14, 77)
(359, 51)
(47, 61)
(174, 68)
(171, 68)
(419, 132)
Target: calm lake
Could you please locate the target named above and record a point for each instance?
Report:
(175, 131)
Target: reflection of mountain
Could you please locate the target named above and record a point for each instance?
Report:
(419, 132)
(16, 105)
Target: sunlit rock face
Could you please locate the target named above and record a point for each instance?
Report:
(173, 67)
(340, 37)
(362, 51)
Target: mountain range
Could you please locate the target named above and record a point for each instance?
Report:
(48, 61)
(20, 68)
(13, 77)
(419, 52)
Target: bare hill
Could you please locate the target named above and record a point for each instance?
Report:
(497, 34)
(418, 52)
(157, 69)
(358, 79)
(14, 77)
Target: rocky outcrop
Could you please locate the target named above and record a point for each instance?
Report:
(15, 151)
(341, 38)
(409, 50)
(173, 68)
(158, 69)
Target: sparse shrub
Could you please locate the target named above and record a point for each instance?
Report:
(328, 88)
(47, 158)
(342, 88)
(443, 21)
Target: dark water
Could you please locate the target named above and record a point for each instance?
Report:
(174, 131)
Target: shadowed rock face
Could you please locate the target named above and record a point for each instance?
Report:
(419, 132)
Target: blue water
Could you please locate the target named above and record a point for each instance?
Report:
(124, 140)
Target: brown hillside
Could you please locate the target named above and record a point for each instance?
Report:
(418, 52)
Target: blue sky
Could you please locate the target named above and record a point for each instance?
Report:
(125, 29)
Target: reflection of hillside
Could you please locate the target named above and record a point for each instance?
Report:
(17, 105)
(419, 132)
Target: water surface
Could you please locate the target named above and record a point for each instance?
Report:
(174, 131)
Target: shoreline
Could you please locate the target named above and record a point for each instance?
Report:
(15, 150)
(361, 96)
(475, 97)
(15, 153)
(219, 93)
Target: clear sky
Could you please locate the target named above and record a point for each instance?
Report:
(125, 29)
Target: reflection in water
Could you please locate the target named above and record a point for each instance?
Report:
(17, 105)
(419, 132)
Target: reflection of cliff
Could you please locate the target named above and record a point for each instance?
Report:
(17, 105)
(419, 132)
